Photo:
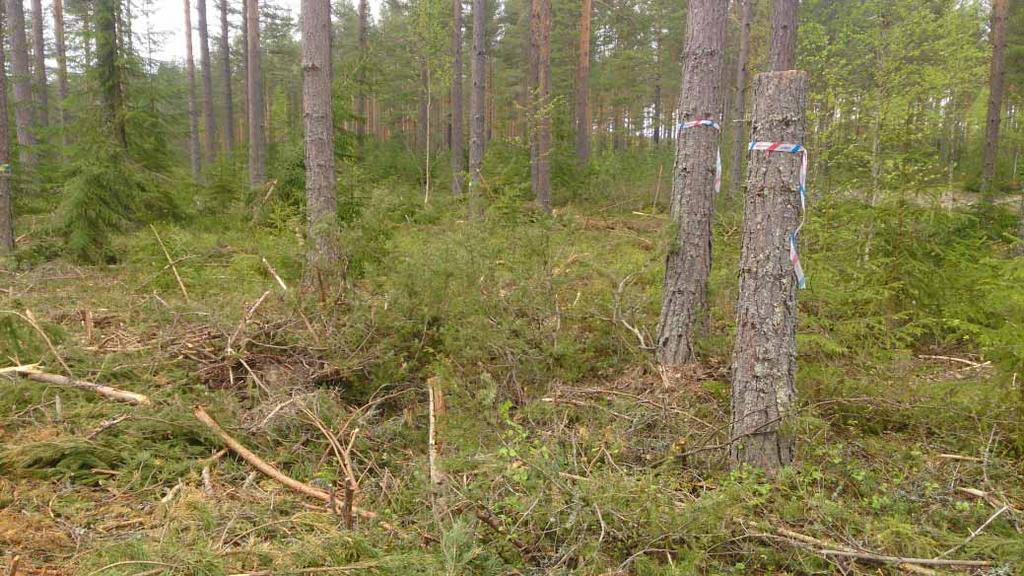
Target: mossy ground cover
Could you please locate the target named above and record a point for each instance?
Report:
(564, 449)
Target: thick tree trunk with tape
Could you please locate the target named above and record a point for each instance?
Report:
(688, 265)
(764, 358)
(997, 80)
(323, 260)
(784, 23)
(739, 105)
(6, 204)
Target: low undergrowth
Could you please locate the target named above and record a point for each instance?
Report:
(563, 448)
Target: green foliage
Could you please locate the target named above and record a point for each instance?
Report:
(107, 195)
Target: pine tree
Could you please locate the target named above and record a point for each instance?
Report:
(257, 119)
(739, 105)
(195, 152)
(543, 190)
(324, 254)
(63, 89)
(210, 119)
(6, 200)
(229, 101)
(688, 265)
(477, 105)
(583, 87)
(23, 113)
(458, 161)
(997, 81)
(39, 89)
(784, 22)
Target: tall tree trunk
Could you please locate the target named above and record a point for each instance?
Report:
(23, 113)
(229, 104)
(477, 105)
(323, 260)
(688, 265)
(39, 65)
(364, 56)
(997, 79)
(583, 87)
(533, 84)
(209, 117)
(764, 357)
(739, 104)
(6, 201)
(657, 90)
(784, 23)
(194, 150)
(257, 115)
(108, 60)
(62, 67)
(458, 162)
(245, 71)
(543, 190)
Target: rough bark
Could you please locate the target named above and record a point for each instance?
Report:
(739, 104)
(457, 144)
(543, 189)
(195, 153)
(6, 204)
(997, 81)
(257, 117)
(477, 104)
(245, 71)
(23, 114)
(784, 23)
(39, 89)
(764, 358)
(229, 100)
(364, 48)
(583, 87)
(209, 117)
(688, 264)
(62, 67)
(108, 53)
(532, 83)
(324, 255)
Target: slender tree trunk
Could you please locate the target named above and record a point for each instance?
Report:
(323, 260)
(458, 161)
(6, 200)
(257, 114)
(784, 23)
(209, 117)
(476, 106)
(364, 56)
(657, 91)
(245, 71)
(62, 67)
(583, 87)
(543, 190)
(195, 153)
(997, 80)
(739, 104)
(533, 85)
(229, 104)
(688, 265)
(23, 114)
(764, 358)
(39, 66)
(424, 116)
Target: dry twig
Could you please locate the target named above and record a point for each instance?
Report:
(32, 373)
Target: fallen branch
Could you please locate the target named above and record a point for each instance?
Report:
(970, 363)
(273, 273)
(268, 469)
(170, 261)
(32, 373)
(975, 534)
(883, 559)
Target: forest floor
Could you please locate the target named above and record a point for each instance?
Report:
(560, 447)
